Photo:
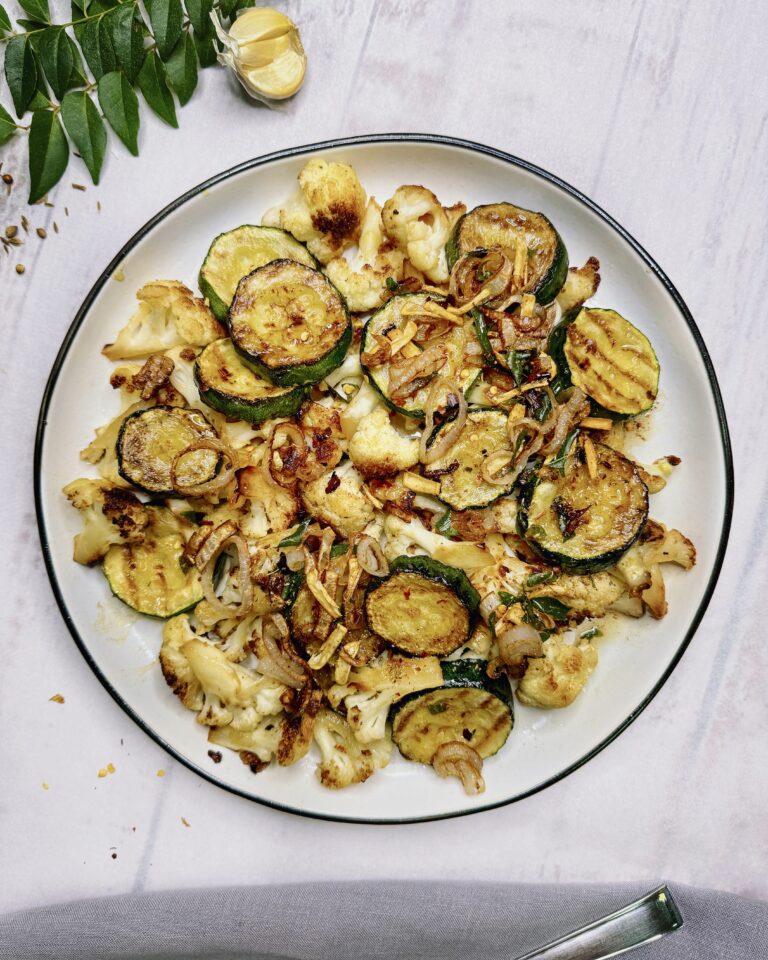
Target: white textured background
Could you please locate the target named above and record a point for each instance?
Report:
(654, 109)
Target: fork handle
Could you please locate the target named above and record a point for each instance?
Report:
(643, 921)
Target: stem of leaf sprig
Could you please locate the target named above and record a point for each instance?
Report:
(108, 48)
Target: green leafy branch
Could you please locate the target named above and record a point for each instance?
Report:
(72, 77)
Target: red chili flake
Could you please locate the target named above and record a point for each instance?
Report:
(333, 484)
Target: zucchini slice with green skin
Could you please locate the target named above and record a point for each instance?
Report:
(289, 323)
(390, 319)
(580, 523)
(226, 384)
(470, 707)
(422, 607)
(238, 252)
(499, 225)
(149, 577)
(149, 440)
(458, 472)
(611, 361)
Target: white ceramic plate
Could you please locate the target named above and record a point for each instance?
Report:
(637, 657)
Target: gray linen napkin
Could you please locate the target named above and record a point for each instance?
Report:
(362, 921)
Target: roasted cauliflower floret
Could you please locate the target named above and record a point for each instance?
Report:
(111, 516)
(371, 690)
(336, 499)
(344, 761)
(168, 316)
(256, 747)
(580, 285)
(557, 678)
(272, 508)
(327, 212)
(413, 538)
(640, 567)
(204, 679)
(363, 280)
(415, 220)
(378, 449)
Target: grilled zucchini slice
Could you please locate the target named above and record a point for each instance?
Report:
(613, 362)
(236, 253)
(469, 707)
(458, 472)
(289, 323)
(150, 577)
(387, 322)
(579, 522)
(227, 385)
(500, 225)
(423, 607)
(150, 439)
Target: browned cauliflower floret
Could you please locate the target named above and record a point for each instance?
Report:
(168, 316)
(336, 498)
(344, 761)
(379, 450)
(327, 213)
(557, 678)
(415, 220)
(111, 516)
(640, 567)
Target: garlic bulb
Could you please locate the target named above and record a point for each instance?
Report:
(264, 50)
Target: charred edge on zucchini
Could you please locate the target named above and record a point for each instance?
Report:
(289, 323)
(149, 440)
(423, 607)
(226, 384)
(238, 252)
(608, 358)
(500, 225)
(582, 523)
(470, 708)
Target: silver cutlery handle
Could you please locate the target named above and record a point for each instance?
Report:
(640, 922)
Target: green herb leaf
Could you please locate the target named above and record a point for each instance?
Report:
(436, 708)
(444, 526)
(536, 531)
(517, 361)
(507, 599)
(392, 284)
(296, 538)
(182, 68)
(128, 40)
(86, 129)
(165, 18)
(37, 9)
(338, 550)
(492, 623)
(7, 125)
(20, 72)
(5, 23)
(227, 7)
(121, 108)
(590, 634)
(546, 576)
(199, 13)
(48, 153)
(539, 404)
(154, 85)
(205, 44)
(562, 454)
(551, 607)
(96, 43)
(57, 59)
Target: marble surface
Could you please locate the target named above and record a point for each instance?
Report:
(656, 111)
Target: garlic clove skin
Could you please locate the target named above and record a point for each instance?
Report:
(264, 50)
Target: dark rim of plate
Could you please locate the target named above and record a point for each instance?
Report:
(460, 144)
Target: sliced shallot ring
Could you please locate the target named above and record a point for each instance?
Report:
(457, 759)
(244, 575)
(494, 468)
(371, 557)
(518, 642)
(209, 486)
(441, 446)
(216, 536)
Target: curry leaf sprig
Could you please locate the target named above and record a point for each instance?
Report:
(77, 79)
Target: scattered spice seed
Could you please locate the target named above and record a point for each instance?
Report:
(20, 268)
(55, 227)
(11, 231)
(7, 179)
(25, 224)
(78, 186)
(14, 241)
(41, 233)
(56, 698)
(110, 768)
(185, 822)
(46, 786)
(215, 755)
(98, 205)
(161, 773)
(114, 855)
(47, 204)
(66, 211)
(102, 773)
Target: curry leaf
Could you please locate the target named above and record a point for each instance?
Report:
(48, 153)
(7, 125)
(20, 72)
(5, 23)
(96, 42)
(128, 40)
(121, 108)
(199, 13)
(86, 129)
(37, 9)
(546, 576)
(165, 18)
(57, 59)
(296, 538)
(562, 454)
(182, 68)
(551, 607)
(153, 83)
